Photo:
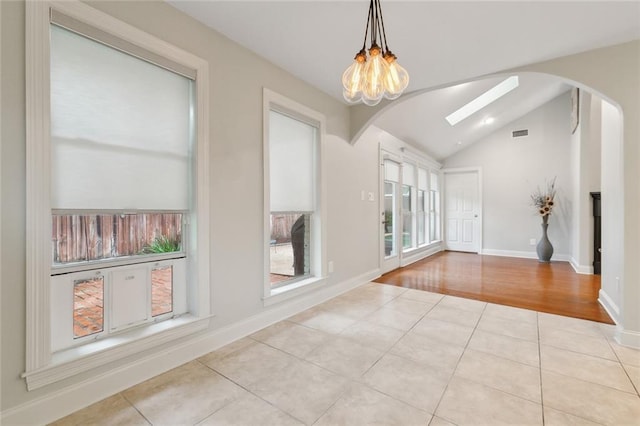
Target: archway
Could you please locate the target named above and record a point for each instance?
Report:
(613, 294)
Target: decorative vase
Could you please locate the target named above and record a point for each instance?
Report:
(544, 247)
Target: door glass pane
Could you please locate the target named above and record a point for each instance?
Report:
(88, 306)
(407, 222)
(421, 217)
(389, 219)
(434, 216)
(161, 290)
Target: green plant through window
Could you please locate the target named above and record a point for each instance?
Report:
(162, 244)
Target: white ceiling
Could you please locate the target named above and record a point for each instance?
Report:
(439, 43)
(420, 120)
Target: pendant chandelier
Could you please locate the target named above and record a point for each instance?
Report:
(379, 76)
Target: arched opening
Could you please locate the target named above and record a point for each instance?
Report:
(584, 157)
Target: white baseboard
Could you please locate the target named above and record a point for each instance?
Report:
(70, 399)
(609, 306)
(523, 254)
(622, 336)
(420, 254)
(628, 338)
(580, 269)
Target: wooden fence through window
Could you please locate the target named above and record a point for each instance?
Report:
(92, 237)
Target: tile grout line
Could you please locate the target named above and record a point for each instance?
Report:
(245, 388)
(349, 380)
(387, 352)
(540, 367)
(575, 378)
(134, 407)
(622, 366)
(453, 372)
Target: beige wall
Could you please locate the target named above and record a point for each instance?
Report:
(237, 79)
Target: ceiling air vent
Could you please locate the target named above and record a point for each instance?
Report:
(520, 133)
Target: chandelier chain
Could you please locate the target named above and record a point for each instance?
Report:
(375, 74)
(366, 29)
(384, 34)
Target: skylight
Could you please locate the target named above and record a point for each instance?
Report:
(483, 100)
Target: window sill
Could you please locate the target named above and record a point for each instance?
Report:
(76, 360)
(292, 290)
(425, 246)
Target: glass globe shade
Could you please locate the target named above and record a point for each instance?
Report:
(374, 71)
(397, 79)
(371, 102)
(352, 76)
(351, 97)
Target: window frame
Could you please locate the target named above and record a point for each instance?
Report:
(42, 366)
(435, 207)
(318, 267)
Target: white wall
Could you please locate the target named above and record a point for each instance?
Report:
(512, 168)
(237, 80)
(586, 171)
(612, 210)
(613, 73)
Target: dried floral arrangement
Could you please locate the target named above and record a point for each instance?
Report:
(544, 201)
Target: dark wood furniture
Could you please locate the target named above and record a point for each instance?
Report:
(597, 236)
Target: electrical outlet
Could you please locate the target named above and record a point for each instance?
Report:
(532, 242)
(372, 197)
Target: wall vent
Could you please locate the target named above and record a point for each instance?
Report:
(520, 133)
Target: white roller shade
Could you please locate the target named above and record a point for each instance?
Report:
(292, 164)
(391, 171)
(422, 179)
(408, 174)
(120, 129)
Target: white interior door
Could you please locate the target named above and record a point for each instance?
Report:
(462, 211)
(389, 213)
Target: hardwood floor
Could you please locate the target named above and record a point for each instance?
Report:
(524, 283)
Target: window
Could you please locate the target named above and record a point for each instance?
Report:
(421, 217)
(434, 207)
(292, 194)
(121, 135)
(408, 207)
(391, 184)
(117, 185)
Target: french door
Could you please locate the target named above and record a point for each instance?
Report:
(390, 214)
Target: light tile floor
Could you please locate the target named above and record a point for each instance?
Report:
(386, 355)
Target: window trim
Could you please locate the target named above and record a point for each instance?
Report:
(434, 212)
(42, 367)
(318, 268)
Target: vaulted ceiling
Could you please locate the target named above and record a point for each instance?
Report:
(439, 43)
